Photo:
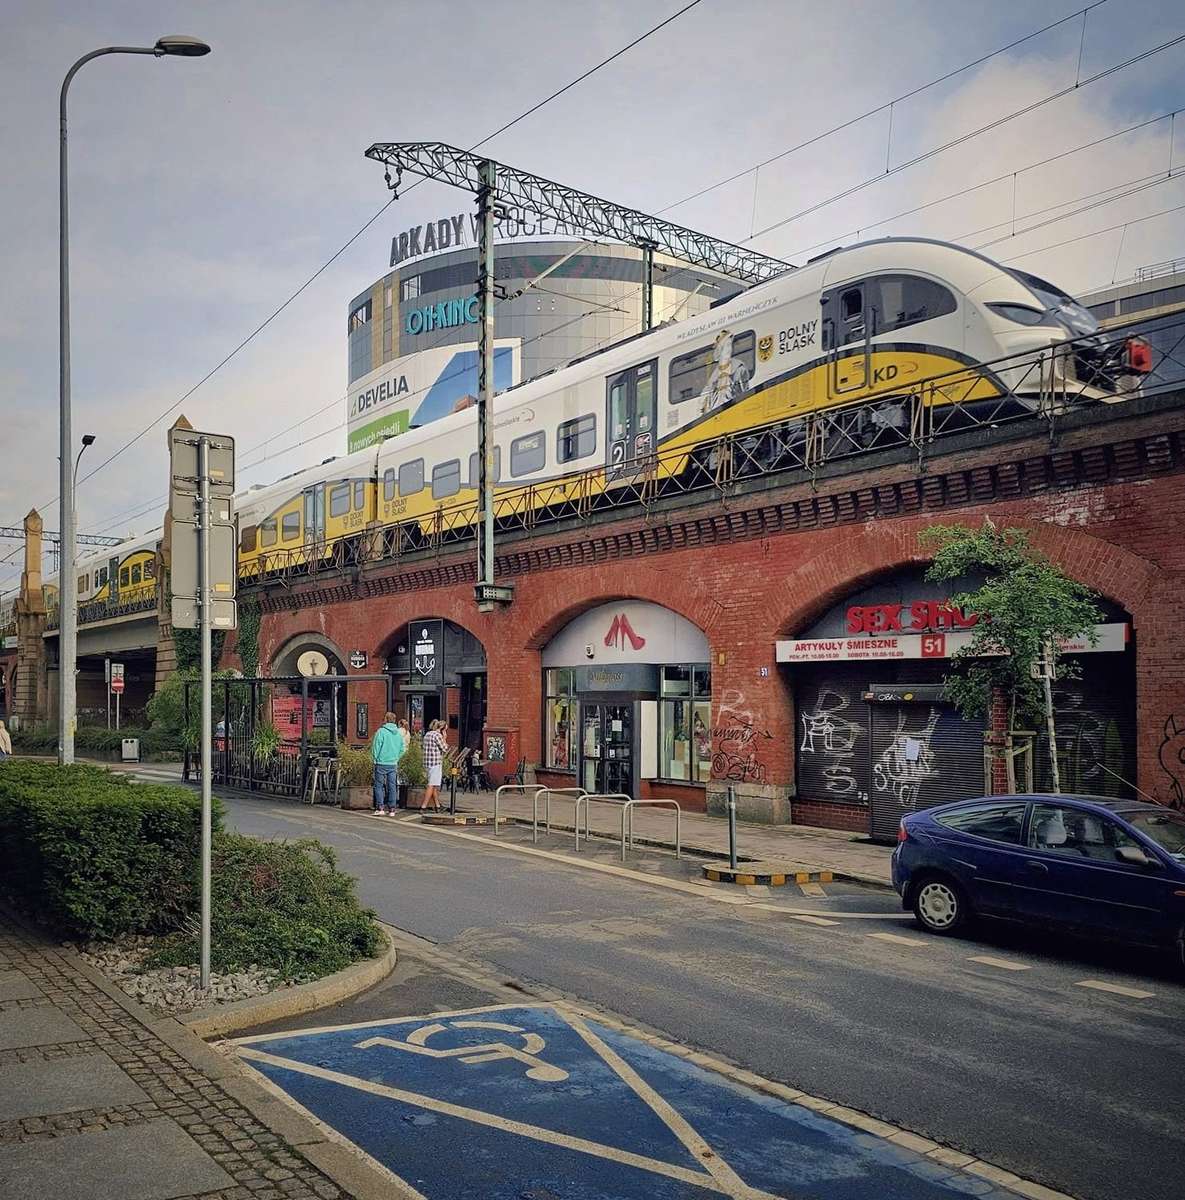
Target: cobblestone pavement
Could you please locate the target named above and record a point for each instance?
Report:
(95, 1102)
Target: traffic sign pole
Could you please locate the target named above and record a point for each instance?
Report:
(204, 598)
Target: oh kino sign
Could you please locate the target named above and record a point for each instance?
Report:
(914, 617)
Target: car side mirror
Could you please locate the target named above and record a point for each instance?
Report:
(1135, 857)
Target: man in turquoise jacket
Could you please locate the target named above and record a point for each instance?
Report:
(386, 749)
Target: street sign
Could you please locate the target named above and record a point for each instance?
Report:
(183, 467)
(223, 572)
(184, 613)
(117, 677)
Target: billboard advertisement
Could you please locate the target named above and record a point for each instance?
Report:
(421, 387)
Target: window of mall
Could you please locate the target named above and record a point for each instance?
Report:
(627, 703)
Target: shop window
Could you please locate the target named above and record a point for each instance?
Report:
(689, 373)
(339, 500)
(359, 316)
(473, 479)
(561, 745)
(409, 288)
(446, 479)
(290, 527)
(389, 484)
(247, 539)
(576, 438)
(528, 454)
(411, 477)
(685, 722)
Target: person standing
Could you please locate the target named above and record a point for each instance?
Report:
(5, 743)
(435, 748)
(386, 749)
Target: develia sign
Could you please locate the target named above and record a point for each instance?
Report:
(460, 231)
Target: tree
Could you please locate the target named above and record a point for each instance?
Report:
(1026, 606)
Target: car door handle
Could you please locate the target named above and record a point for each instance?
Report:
(1033, 865)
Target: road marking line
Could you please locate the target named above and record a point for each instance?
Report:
(1003, 963)
(803, 917)
(1100, 985)
(811, 889)
(696, 1145)
(897, 940)
(507, 1125)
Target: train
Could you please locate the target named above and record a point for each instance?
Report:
(858, 328)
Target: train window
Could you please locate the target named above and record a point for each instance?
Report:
(150, 568)
(576, 438)
(267, 532)
(474, 480)
(290, 526)
(339, 500)
(389, 484)
(446, 479)
(528, 454)
(851, 304)
(84, 582)
(690, 373)
(100, 577)
(359, 495)
(247, 538)
(900, 300)
(411, 477)
(135, 575)
(124, 577)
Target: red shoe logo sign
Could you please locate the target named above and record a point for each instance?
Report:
(621, 631)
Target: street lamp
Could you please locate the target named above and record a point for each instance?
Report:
(175, 45)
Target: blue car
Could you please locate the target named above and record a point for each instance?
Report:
(1107, 868)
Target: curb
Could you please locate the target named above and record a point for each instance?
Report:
(459, 819)
(766, 873)
(217, 1020)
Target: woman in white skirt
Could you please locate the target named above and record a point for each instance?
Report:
(435, 748)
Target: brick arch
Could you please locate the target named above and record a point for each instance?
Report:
(880, 548)
(692, 601)
(314, 639)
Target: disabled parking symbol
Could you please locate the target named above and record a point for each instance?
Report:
(533, 1043)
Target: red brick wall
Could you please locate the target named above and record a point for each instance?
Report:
(749, 587)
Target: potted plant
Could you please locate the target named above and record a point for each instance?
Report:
(265, 744)
(413, 778)
(357, 790)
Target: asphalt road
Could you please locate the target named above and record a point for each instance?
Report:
(1011, 1059)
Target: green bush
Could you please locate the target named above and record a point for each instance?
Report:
(96, 739)
(357, 767)
(411, 765)
(97, 855)
(283, 905)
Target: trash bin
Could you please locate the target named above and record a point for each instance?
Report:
(131, 750)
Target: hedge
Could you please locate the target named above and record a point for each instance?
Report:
(96, 740)
(283, 905)
(96, 855)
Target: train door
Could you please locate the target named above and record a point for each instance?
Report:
(847, 328)
(314, 515)
(631, 403)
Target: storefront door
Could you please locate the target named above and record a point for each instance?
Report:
(607, 747)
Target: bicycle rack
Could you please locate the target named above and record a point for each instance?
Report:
(617, 798)
(628, 812)
(569, 793)
(507, 787)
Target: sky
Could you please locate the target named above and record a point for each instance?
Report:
(204, 192)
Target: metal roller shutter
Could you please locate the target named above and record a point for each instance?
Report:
(832, 735)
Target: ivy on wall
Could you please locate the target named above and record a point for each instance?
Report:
(187, 644)
(248, 642)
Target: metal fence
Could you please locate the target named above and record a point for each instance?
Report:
(1036, 387)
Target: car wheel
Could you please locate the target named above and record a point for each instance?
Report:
(939, 905)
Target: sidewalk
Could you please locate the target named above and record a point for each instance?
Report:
(815, 849)
(99, 1098)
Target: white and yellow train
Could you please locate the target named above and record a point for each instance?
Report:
(872, 322)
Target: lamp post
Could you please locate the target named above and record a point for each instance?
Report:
(176, 45)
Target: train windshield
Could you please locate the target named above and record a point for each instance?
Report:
(1060, 305)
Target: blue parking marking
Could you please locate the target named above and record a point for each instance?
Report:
(532, 1100)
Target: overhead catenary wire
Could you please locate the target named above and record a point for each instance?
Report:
(369, 222)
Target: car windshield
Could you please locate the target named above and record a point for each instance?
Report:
(1166, 829)
(1059, 304)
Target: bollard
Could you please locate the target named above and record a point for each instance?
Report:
(732, 827)
(452, 793)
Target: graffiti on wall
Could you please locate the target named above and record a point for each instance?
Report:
(1171, 753)
(739, 761)
(829, 735)
(907, 761)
